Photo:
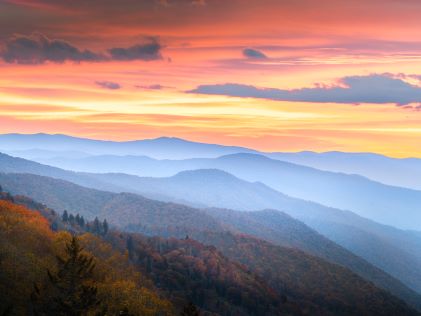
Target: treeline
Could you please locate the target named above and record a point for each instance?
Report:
(96, 226)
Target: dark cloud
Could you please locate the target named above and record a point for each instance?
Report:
(253, 53)
(38, 48)
(108, 85)
(150, 50)
(374, 88)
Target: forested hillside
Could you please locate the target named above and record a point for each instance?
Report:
(283, 274)
(28, 251)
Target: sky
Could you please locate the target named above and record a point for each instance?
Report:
(274, 75)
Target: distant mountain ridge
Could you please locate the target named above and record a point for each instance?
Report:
(386, 204)
(405, 172)
(160, 148)
(41, 147)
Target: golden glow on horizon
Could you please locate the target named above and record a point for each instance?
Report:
(314, 46)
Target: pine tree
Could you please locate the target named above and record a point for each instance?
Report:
(65, 216)
(72, 292)
(71, 218)
(97, 227)
(77, 218)
(190, 310)
(105, 227)
(130, 247)
(82, 222)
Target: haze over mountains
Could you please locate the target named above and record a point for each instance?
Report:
(282, 202)
(393, 171)
(405, 172)
(397, 206)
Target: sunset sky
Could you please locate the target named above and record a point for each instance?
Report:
(275, 75)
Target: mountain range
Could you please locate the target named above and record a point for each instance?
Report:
(397, 206)
(290, 208)
(215, 188)
(404, 172)
(134, 213)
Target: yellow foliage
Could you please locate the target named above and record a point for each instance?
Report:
(28, 247)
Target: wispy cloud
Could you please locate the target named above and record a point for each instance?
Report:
(374, 88)
(108, 85)
(151, 87)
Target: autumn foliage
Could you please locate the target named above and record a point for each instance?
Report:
(29, 248)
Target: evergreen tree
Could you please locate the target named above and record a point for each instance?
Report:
(71, 218)
(130, 247)
(72, 292)
(65, 216)
(190, 310)
(82, 222)
(97, 226)
(105, 227)
(77, 218)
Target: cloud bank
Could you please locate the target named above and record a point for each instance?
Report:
(374, 88)
(38, 49)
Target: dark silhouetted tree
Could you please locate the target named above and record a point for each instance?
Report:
(96, 229)
(105, 227)
(77, 218)
(82, 222)
(130, 246)
(72, 292)
(65, 216)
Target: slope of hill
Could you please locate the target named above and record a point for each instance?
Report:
(393, 171)
(385, 204)
(187, 268)
(137, 214)
(29, 247)
(122, 209)
(378, 244)
(306, 278)
(19, 165)
(181, 270)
